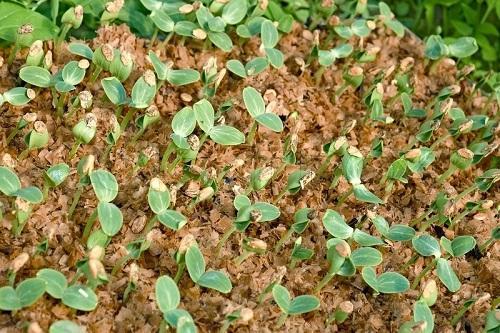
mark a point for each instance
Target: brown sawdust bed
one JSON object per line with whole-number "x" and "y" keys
{"x": 322, "y": 121}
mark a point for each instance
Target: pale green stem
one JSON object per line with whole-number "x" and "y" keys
{"x": 283, "y": 240}
{"x": 419, "y": 277}
{"x": 224, "y": 239}
{"x": 89, "y": 224}
{"x": 76, "y": 198}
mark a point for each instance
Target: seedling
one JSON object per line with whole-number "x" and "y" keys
{"x": 482, "y": 183}
{"x": 326, "y": 58}
{"x": 63, "y": 326}
{"x": 387, "y": 17}
{"x": 25, "y": 120}
{"x": 72, "y": 18}
{"x": 159, "y": 202}
{"x": 101, "y": 58}
{"x": 26, "y": 197}
{"x": 36, "y": 138}
{"x": 258, "y": 212}
{"x": 84, "y": 167}
{"x": 259, "y": 179}
{"x": 426, "y": 246}
{"x": 260, "y": 113}
{"x": 168, "y": 299}
{"x": 18, "y": 96}
{"x": 116, "y": 93}
{"x": 289, "y": 151}
{"x": 352, "y": 168}
{"x": 25, "y": 294}
{"x": 111, "y": 11}
{"x": 289, "y": 307}
{"x": 352, "y": 78}
{"x": 195, "y": 263}
{"x": 133, "y": 280}
{"x": 54, "y": 176}
{"x": 495, "y": 235}
{"x": 299, "y": 253}
{"x": 301, "y": 220}
{"x": 297, "y": 181}
{"x": 150, "y": 117}
{"x": 251, "y": 246}
{"x": 394, "y": 232}
{"x": 360, "y": 28}
{"x": 143, "y": 159}
{"x": 92, "y": 268}
{"x": 436, "y": 49}
{"x": 84, "y": 131}
{"x": 109, "y": 215}
{"x": 374, "y": 102}
{"x": 143, "y": 93}
{"x": 244, "y": 315}
{"x": 112, "y": 137}
{"x": 385, "y": 283}
{"x": 35, "y": 54}
{"x": 342, "y": 260}
{"x": 335, "y": 148}
{"x": 211, "y": 78}
{"x": 423, "y": 320}
{"x": 459, "y": 160}
{"x": 134, "y": 250}
{"x": 176, "y": 77}
{"x": 341, "y": 313}
{"x": 472, "y": 207}
{"x": 83, "y": 100}
{"x": 24, "y": 36}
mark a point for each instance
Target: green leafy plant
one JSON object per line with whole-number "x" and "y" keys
{"x": 84, "y": 131}
{"x": 289, "y": 307}
{"x": 299, "y": 253}
{"x": 25, "y": 294}
{"x": 257, "y": 109}
{"x": 194, "y": 261}
{"x": 168, "y": 299}
{"x": 54, "y": 176}
{"x": 297, "y": 181}
{"x": 84, "y": 167}
{"x": 248, "y": 213}
{"x": 426, "y": 245}
{"x": 38, "y": 137}
{"x": 423, "y": 319}
{"x": 110, "y": 217}
{"x": 25, "y": 197}
{"x": 301, "y": 220}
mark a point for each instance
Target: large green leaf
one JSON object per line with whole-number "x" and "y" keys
{"x": 12, "y": 16}
{"x": 167, "y": 294}
{"x": 215, "y": 280}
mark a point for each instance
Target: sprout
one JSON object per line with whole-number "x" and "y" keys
{"x": 72, "y": 18}
{"x": 24, "y": 37}
{"x": 341, "y": 313}
{"x": 270, "y": 37}
{"x": 301, "y": 220}
{"x": 101, "y": 59}
{"x": 168, "y": 299}
{"x": 352, "y": 168}
{"x": 37, "y": 138}
{"x": 151, "y": 116}
{"x": 437, "y": 49}
{"x": 343, "y": 261}
{"x": 176, "y": 77}
{"x": 62, "y": 326}
{"x": 122, "y": 65}
{"x": 326, "y": 58}
{"x": 143, "y": 93}
{"x": 24, "y": 295}
{"x": 54, "y": 176}
{"x": 295, "y": 306}
{"x": 423, "y": 320}
{"x": 82, "y": 100}
{"x": 359, "y": 27}
{"x": 195, "y": 263}
{"x": 459, "y": 160}
{"x": 259, "y": 179}
{"x": 251, "y": 246}
{"x": 244, "y": 315}
{"x": 116, "y": 93}
{"x": 35, "y": 54}
{"x": 84, "y": 131}
{"x": 387, "y": 17}
{"x": 495, "y": 235}
{"x": 211, "y": 78}
{"x": 374, "y": 103}
{"x": 24, "y": 121}
{"x": 144, "y": 157}
{"x": 352, "y": 78}
{"x": 258, "y": 111}
{"x": 132, "y": 281}
{"x": 134, "y": 250}
{"x": 15, "y": 266}
{"x": 84, "y": 168}
{"x": 299, "y": 253}
{"x": 297, "y": 181}
{"x": 109, "y": 215}
{"x": 159, "y": 202}
{"x": 258, "y": 212}
{"x": 335, "y": 148}
{"x": 111, "y": 11}
{"x": 426, "y": 245}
